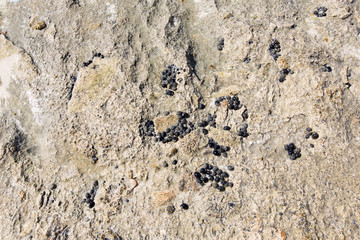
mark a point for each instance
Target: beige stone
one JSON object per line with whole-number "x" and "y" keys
{"x": 161, "y": 198}
{"x": 162, "y": 123}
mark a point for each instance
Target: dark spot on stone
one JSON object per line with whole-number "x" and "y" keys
{"x": 197, "y": 175}
{"x": 320, "y": 12}
{"x": 326, "y": 68}
{"x": 220, "y": 44}
{"x": 170, "y": 209}
{"x": 315, "y": 135}
{"x": 184, "y": 206}
{"x": 245, "y": 115}
{"x": 170, "y": 93}
{"x": 204, "y": 131}
{"x": 293, "y": 151}
{"x": 275, "y": 49}
{"x": 201, "y": 106}
{"x": 53, "y": 186}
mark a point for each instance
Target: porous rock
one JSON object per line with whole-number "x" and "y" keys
{"x": 58, "y": 115}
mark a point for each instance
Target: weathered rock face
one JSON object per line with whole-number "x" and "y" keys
{"x": 87, "y": 121}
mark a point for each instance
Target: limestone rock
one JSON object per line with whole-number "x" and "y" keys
{"x": 80, "y": 79}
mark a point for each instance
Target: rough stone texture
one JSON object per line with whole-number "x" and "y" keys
{"x": 68, "y": 124}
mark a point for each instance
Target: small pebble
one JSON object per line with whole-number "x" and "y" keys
{"x": 132, "y": 183}
{"x": 224, "y": 175}
{"x": 230, "y": 168}
{"x": 308, "y": 129}
{"x": 297, "y": 150}
{"x": 170, "y": 93}
{"x": 95, "y": 183}
{"x": 223, "y": 182}
{"x": 216, "y": 153}
{"x": 205, "y": 166}
{"x": 275, "y": 49}
{"x": 320, "y": 12}
{"x": 315, "y": 135}
{"x": 245, "y": 115}
{"x": 293, "y": 151}
{"x": 220, "y": 44}
{"x": 205, "y": 131}
{"x": 203, "y": 124}
{"x": 283, "y": 74}
{"x": 175, "y": 162}
{"x": 91, "y": 204}
{"x": 201, "y": 106}
{"x": 184, "y": 206}
{"x": 40, "y": 25}
{"x": 170, "y": 209}
{"x": 165, "y": 164}
{"x": 326, "y": 68}
{"x": 312, "y": 145}
{"x": 227, "y": 128}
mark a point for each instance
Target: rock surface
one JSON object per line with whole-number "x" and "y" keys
{"x": 79, "y": 78}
